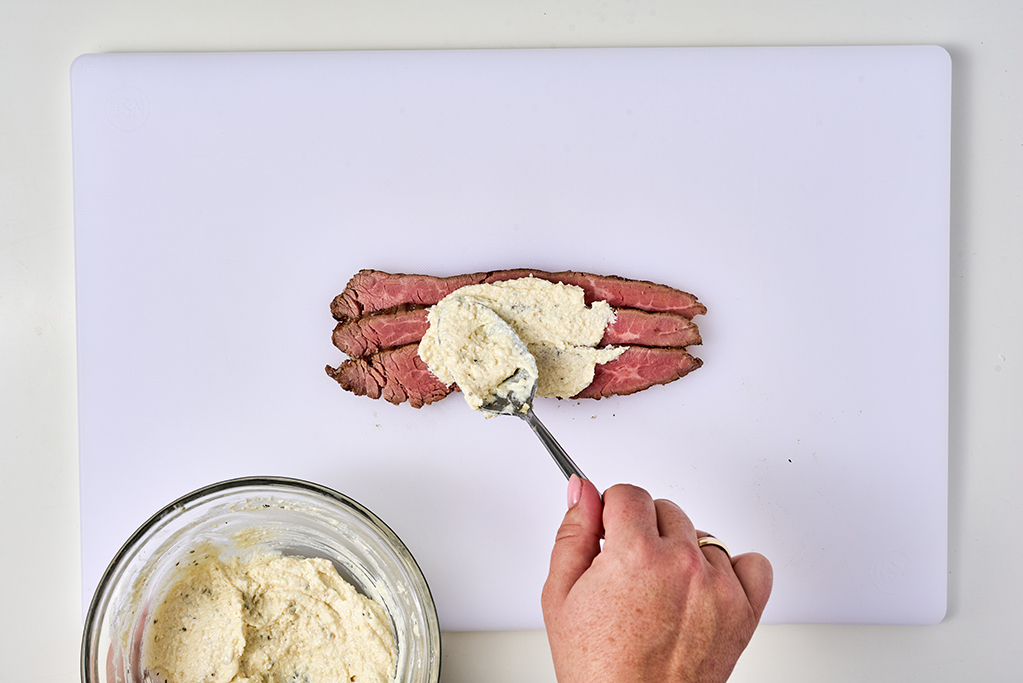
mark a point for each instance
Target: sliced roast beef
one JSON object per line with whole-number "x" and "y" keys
{"x": 642, "y": 328}
{"x": 399, "y": 375}
{"x": 618, "y": 291}
{"x": 637, "y": 369}
{"x": 371, "y": 290}
{"x": 396, "y": 375}
{"x": 407, "y": 324}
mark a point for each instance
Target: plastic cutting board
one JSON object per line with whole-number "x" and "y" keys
{"x": 222, "y": 200}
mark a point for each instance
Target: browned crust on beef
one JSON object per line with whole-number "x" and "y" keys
{"x": 406, "y": 324}
{"x": 371, "y": 290}
{"x": 639, "y": 368}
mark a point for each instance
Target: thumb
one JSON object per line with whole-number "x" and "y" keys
{"x": 577, "y": 542}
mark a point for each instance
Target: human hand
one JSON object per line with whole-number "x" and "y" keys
{"x": 651, "y": 605}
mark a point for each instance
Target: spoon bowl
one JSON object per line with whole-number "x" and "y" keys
{"x": 514, "y": 395}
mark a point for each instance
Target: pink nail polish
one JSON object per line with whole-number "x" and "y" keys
{"x": 575, "y": 491}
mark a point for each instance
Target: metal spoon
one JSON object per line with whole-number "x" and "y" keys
{"x": 510, "y": 399}
{"x": 524, "y": 409}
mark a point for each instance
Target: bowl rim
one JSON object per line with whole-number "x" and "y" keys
{"x": 100, "y": 596}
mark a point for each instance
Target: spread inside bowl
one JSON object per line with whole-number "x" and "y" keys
{"x": 265, "y": 616}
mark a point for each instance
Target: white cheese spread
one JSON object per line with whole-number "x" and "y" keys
{"x": 488, "y": 352}
{"x": 559, "y": 330}
{"x": 266, "y": 618}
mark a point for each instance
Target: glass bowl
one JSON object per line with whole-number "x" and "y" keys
{"x": 288, "y": 516}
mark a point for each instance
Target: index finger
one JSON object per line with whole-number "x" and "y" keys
{"x": 629, "y": 511}
{"x": 756, "y": 575}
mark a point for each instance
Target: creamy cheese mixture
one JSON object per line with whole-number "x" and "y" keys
{"x": 488, "y": 352}
{"x": 559, "y": 330}
{"x": 266, "y": 618}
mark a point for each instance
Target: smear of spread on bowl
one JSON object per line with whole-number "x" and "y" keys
{"x": 266, "y": 617}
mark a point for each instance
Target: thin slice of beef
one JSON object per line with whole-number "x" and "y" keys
{"x": 396, "y": 375}
{"x": 642, "y": 328}
{"x": 399, "y": 375}
{"x": 637, "y": 369}
{"x": 406, "y": 324}
{"x": 617, "y": 291}
{"x": 372, "y": 290}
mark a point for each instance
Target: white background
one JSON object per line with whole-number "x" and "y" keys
{"x": 40, "y": 609}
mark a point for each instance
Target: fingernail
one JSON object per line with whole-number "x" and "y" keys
{"x": 575, "y": 491}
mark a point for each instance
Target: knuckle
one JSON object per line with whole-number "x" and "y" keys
{"x": 626, "y": 492}
{"x": 569, "y": 529}
{"x": 730, "y": 595}
{"x": 689, "y": 557}
{"x": 640, "y": 549}
{"x": 643, "y": 551}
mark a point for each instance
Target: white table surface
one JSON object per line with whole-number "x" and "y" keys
{"x": 40, "y": 613}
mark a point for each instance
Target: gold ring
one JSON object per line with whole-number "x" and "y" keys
{"x": 710, "y": 540}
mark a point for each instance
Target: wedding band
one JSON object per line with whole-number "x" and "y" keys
{"x": 710, "y": 540}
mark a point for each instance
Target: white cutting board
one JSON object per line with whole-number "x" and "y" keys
{"x": 221, "y": 201}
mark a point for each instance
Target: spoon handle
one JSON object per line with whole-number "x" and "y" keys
{"x": 557, "y": 452}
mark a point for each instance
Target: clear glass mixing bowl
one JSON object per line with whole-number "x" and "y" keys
{"x": 289, "y": 516}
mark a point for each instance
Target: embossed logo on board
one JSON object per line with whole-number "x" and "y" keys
{"x": 891, "y": 571}
{"x": 127, "y": 108}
